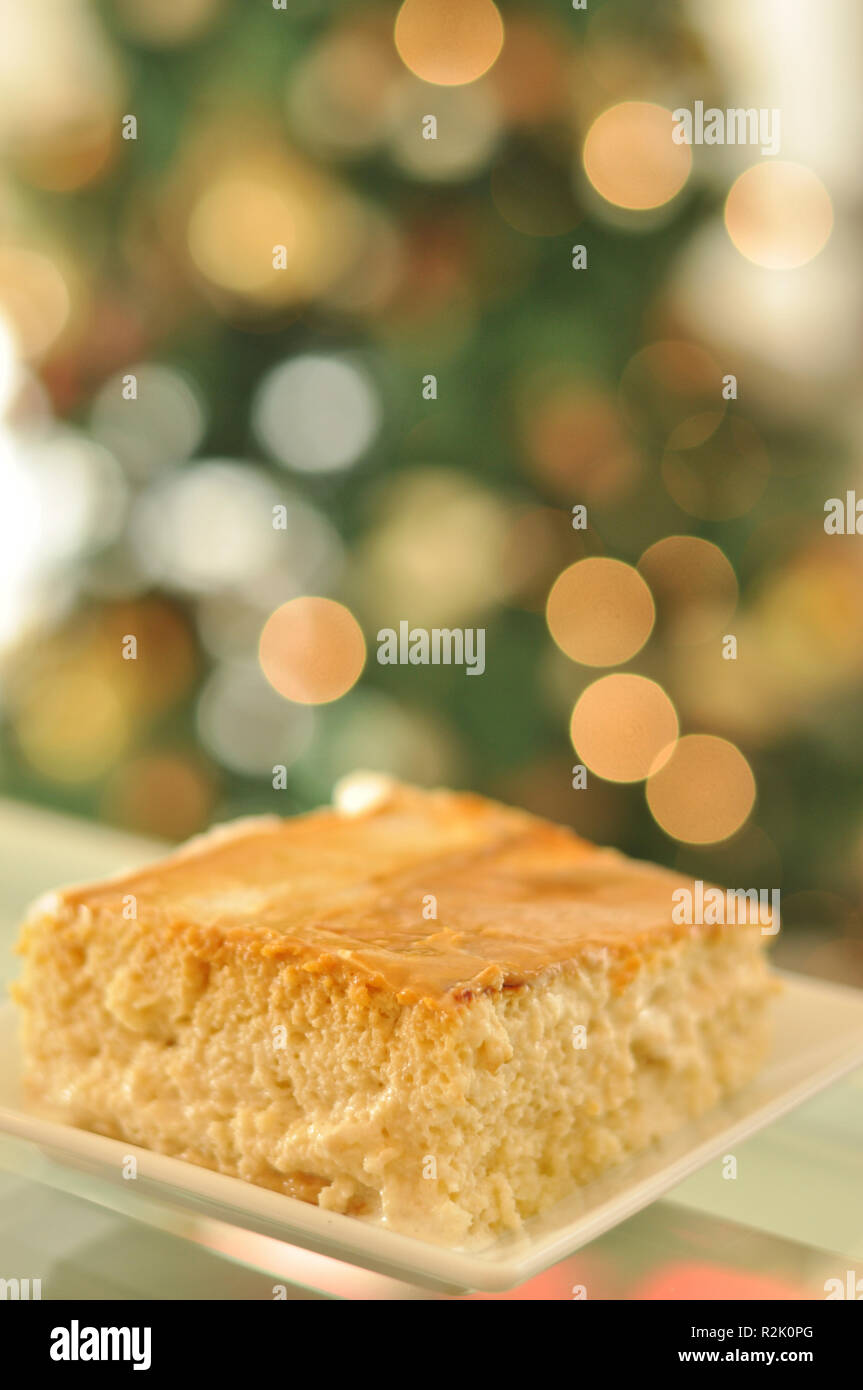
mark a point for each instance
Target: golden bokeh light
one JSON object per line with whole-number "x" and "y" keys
{"x": 75, "y": 703}
{"x": 437, "y": 550}
{"x": 233, "y": 229}
{"x": 800, "y": 646}
{"x": 693, "y": 585}
{"x": 809, "y": 614}
{"x": 623, "y": 727}
{"x": 312, "y": 650}
{"x": 77, "y": 153}
{"x": 34, "y": 298}
{"x": 631, "y": 159}
{"x": 704, "y": 792}
{"x": 167, "y": 660}
{"x": 779, "y": 215}
{"x": 600, "y": 611}
{"x": 448, "y": 42}
{"x": 271, "y": 231}
{"x": 72, "y": 731}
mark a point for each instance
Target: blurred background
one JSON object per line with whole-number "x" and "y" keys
{"x": 279, "y": 348}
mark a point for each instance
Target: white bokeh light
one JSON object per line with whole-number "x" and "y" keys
{"x": 60, "y": 496}
{"x": 469, "y": 116}
{"x": 310, "y": 555}
{"x": 382, "y": 734}
{"x": 8, "y": 365}
{"x": 20, "y": 519}
{"x": 208, "y": 527}
{"x": 309, "y": 560}
{"x": 162, "y": 426}
{"x": 246, "y": 725}
{"x": 82, "y": 490}
{"x": 316, "y": 414}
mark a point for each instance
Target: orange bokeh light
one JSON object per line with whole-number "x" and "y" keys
{"x": 704, "y": 792}
{"x": 312, "y": 650}
{"x": 631, "y": 159}
{"x": 448, "y": 42}
{"x": 623, "y": 727}
{"x": 779, "y": 215}
{"x": 34, "y": 297}
{"x": 600, "y": 611}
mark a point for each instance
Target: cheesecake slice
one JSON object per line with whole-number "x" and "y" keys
{"x": 421, "y": 1007}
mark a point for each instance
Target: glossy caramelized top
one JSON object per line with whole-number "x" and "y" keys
{"x": 431, "y": 894}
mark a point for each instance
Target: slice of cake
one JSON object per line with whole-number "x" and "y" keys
{"x": 432, "y": 1009}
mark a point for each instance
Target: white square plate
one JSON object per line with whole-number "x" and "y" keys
{"x": 818, "y": 1038}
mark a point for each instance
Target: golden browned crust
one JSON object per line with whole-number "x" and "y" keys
{"x": 431, "y": 895}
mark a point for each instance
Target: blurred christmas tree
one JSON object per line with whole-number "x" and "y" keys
{"x": 280, "y": 285}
